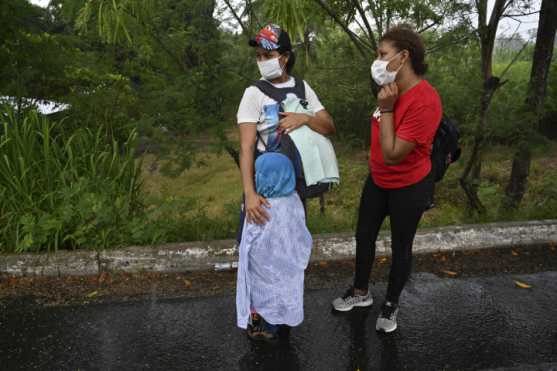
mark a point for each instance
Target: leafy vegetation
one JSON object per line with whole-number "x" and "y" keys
{"x": 152, "y": 90}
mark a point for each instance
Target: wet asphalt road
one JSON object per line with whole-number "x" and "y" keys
{"x": 445, "y": 324}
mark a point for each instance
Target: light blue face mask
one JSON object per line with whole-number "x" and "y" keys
{"x": 274, "y": 175}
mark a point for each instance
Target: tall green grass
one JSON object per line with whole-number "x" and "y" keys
{"x": 66, "y": 191}
{"x": 84, "y": 189}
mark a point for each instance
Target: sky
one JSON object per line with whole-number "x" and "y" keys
{"x": 42, "y": 3}
{"x": 506, "y": 28}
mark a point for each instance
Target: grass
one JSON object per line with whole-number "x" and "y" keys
{"x": 208, "y": 194}
{"x": 65, "y": 192}
{"x": 213, "y": 181}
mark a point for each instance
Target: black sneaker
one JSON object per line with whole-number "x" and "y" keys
{"x": 349, "y": 301}
{"x": 386, "y": 322}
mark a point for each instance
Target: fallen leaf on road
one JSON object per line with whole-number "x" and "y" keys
{"x": 450, "y": 273}
{"x": 383, "y": 259}
{"x": 92, "y": 294}
{"x": 514, "y": 253}
{"x": 187, "y": 283}
{"x": 522, "y": 285}
{"x": 103, "y": 276}
{"x": 440, "y": 257}
{"x": 323, "y": 264}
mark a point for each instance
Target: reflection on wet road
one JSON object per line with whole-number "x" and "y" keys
{"x": 451, "y": 324}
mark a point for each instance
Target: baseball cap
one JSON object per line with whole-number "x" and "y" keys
{"x": 272, "y": 37}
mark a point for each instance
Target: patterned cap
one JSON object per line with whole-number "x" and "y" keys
{"x": 271, "y": 37}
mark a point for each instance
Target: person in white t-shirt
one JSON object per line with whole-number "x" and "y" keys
{"x": 258, "y": 113}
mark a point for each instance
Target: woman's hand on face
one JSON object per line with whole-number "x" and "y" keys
{"x": 291, "y": 121}
{"x": 387, "y": 97}
{"x": 254, "y": 209}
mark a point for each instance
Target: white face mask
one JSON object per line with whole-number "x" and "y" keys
{"x": 270, "y": 69}
{"x": 380, "y": 73}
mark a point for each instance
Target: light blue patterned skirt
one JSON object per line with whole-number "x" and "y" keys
{"x": 271, "y": 266}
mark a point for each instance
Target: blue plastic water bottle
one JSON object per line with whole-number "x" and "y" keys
{"x": 272, "y": 121}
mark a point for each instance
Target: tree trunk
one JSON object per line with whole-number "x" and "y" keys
{"x": 469, "y": 181}
{"x": 519, "y": 176}
{"x": 487, "y": 30}
{"x": 543, "y": 52}
{"x": 471, "y": 175}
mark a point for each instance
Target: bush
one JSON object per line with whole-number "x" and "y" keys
{"x": 60, "y": 191}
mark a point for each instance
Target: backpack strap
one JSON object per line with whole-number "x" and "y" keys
{"x": 260, "y": 139}
{"x": 279, "y": 94}
{"x": 300, "y": 88}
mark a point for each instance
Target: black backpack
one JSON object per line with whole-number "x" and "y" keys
{"x": 446, "y": 149}
{"x": 287, "y": 146}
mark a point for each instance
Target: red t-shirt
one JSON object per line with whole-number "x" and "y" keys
{"x": 417, "y": 114}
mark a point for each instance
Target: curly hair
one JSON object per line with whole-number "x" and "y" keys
{"x": 403, "y": 37}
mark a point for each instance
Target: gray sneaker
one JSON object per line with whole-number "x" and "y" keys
{"x": 386, "y": 322}
{"x": 349, "y": 301}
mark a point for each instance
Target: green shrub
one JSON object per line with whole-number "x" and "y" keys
{"x": 66, "y": 191}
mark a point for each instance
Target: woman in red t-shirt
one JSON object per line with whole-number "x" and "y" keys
{"x": 400, "y": 184}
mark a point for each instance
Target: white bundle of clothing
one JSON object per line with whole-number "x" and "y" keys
{"x": 271, "y": 265}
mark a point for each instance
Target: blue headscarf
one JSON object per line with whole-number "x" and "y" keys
{"x": 274, "y": 175}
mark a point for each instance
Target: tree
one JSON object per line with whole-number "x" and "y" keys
{"x": 534, "y": 103}
{"x": 362, "y": 21}
{"x": 32, "y": 57}
{"x": 486, "y": 31}
{"x": 171, "y": 52}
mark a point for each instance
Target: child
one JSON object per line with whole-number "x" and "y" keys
{"x": 273, "y": 256}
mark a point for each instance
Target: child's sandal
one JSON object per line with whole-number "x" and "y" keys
{"x": 253, "y": 323}
{"x": 263, "y": 331}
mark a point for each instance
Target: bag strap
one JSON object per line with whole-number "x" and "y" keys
{"x": 259, "y": 138}
{"x": 279, "y": 94}
{"x": 300, "y": 88}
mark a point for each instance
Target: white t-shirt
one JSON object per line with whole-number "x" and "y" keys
{"x": 252, "y": 108}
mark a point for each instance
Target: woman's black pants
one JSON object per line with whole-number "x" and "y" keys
{"x": 405, "y": 207}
